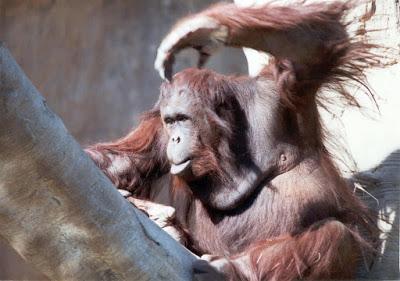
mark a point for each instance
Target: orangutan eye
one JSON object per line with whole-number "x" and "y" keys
{"x": 181, "y": 117}
{"x": 168, "y": 120}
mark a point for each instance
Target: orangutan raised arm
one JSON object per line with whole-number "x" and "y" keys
{"x": 303, "y": 34}
{"x": 308, "y": 41}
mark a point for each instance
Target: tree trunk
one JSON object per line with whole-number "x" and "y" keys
{"x": 59, "y": 211}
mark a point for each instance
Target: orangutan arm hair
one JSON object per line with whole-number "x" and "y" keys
{"x": 309, "y": 43}
{"x": 135, "y": 159}
{"x": 327, "y": 250}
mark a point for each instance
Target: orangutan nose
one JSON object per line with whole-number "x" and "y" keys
{"x": 176, "y": 139}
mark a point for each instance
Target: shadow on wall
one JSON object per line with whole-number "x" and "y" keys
{"x": 383, "y": 183}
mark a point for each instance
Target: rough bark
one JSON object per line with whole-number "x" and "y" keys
{"x": 58, "y": 211}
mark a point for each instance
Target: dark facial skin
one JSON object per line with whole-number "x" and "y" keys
{"x": 178, "y": 113}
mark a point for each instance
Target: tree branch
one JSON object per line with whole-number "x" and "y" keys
{"x": 58, "y": 211}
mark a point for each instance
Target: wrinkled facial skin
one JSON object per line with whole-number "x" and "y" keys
{"x": 179, "y": 109}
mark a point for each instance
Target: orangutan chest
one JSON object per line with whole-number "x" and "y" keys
{"x": 231, "y": 233}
